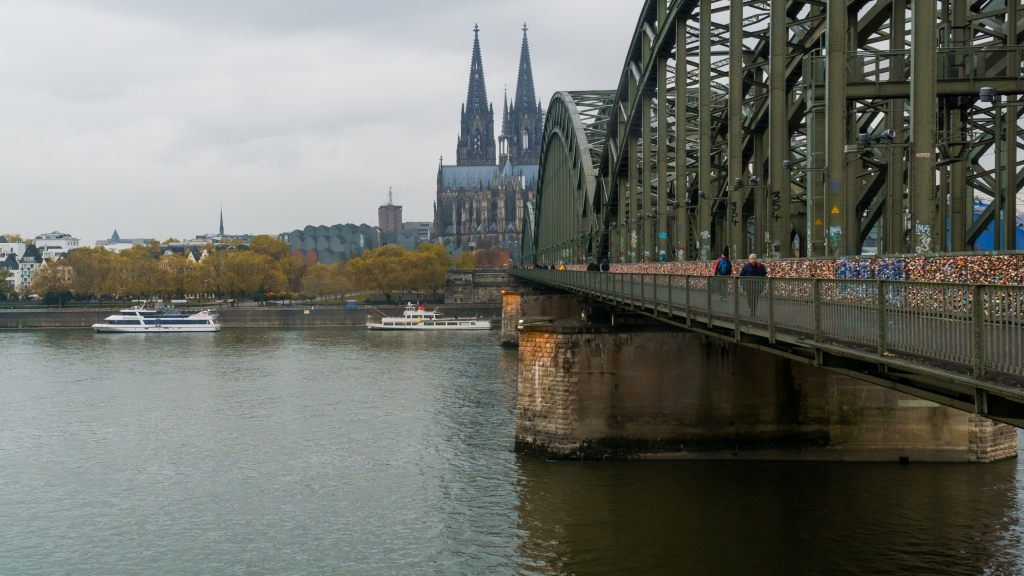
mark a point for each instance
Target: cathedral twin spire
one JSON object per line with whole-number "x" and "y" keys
{"x": 525, "y": 118}
{"x": 476, "y": 98}
{"x": 521, "y": 123}
{"x": 476, "y": 140}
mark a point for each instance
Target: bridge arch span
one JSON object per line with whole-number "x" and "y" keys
{"x": 566, "y": 222}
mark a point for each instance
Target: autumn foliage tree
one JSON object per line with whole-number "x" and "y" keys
{"x": 53, "y": 280}
{"x": 267, "y": 266}
{"x": 323, "y": 281}
{"x": 247, "y": 272}
{"x": 6, "y": 286}
{"x": 381, "y": 270}
{"x": 465, "y": 261}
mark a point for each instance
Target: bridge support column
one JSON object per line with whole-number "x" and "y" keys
{"x": 529, "y": 306}
{"x": 641, "y": 391}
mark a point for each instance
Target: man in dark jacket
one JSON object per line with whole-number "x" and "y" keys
{"x": 723, "y": 268}
{"x": 754, "y": 286}
{"x": 604, "y": 265}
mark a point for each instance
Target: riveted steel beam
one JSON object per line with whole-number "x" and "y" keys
{"x": 863, "y": 127}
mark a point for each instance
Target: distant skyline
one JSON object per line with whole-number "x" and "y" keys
{"x": 147, "y": 116}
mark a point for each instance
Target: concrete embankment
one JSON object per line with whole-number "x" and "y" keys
{"x": 241, "y": 317}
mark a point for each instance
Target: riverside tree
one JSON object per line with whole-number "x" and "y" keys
{"x": 323, "y": 281}
{"x": 246, "y": 273}
{"x": 6, "y": 287}
{"x": 90, "y": 267}
{"x": 381, "y": 270}
{"x": 428, "y": 268}
{"x": 53, "y": 281}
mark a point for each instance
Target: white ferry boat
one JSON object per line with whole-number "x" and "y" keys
{"x": 418, "y": 318}
{"x": 139, "y": 319}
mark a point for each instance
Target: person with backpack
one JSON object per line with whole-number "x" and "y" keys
{"x": 723, "y": 268}
{"x": 754, "y": 286}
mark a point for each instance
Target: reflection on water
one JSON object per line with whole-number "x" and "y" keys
{"x": 770, "y": 518}
{"x": 341, "y": 451}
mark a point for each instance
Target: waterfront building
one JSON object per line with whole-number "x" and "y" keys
{"x": 53, "y": 245}
{"x": 421, "y": 230}
{"x": 331, "y": 244}
{"x": 407, "y": 239}
{"x": 480, "y": 200}
{"x": 8, "y": 248}
{"x": 116, "y": 244}
{"x": 389, "y": 216}
{"x": 192, "y": 251}
{"x": 9, "y": 264}
{"x": 196, "y": 256}
{"x": 22, "y": 267}
{"x": 12, "y": 255}
{"x": 342, "y": 242}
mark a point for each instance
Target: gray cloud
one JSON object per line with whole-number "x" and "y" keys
{"x": 145, "y": 116}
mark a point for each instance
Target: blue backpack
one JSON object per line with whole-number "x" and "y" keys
{"x": 723, "y": 267}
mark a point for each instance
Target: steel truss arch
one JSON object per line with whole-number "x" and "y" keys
{"x": 565, "y": 223}
{"x": 799, "y": 128}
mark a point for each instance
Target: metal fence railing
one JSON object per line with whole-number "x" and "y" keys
{"x": 978, "y": 326}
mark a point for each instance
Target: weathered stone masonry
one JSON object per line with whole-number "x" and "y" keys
{"x": 522, "y": 304}
{"x": 608, "y": 392}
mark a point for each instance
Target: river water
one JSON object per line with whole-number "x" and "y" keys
{"x": 339, "y": 451}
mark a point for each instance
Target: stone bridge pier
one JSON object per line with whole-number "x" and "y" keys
{"x": 612, "y": 386}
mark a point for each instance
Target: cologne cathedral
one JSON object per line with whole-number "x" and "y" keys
{"x": 481, "y": 199}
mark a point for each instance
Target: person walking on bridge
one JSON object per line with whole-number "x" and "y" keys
{"x": 723, "y": 268}
{"x": 754, "y": 286}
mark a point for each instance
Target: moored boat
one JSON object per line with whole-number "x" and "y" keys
{"x": 418, "y": 318}
{"x": 141, "y": 320}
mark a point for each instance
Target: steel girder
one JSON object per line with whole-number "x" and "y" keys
{"x": 802, "y": 128}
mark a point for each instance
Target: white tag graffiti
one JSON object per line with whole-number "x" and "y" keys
{"x": 923, "y": 234}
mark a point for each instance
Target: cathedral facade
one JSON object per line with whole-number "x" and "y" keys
{"x": 481, "y": 199}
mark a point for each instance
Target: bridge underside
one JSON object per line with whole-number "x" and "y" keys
{"x": 791, "y": 128}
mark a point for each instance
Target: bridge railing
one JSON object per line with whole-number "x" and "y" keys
{"x": 978, "y": 328}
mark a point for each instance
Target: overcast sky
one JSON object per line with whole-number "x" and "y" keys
{"x": 146, "y": 116}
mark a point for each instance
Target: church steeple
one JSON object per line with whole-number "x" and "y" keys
{"x": 222, "y": 221}
{"x": 503, "y": 140}
{"x": 476, "y": 141}
{"x": 525, "y": 113}
{"x": 525, "y": 95}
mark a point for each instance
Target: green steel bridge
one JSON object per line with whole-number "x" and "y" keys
{"x": 796, "y": 128}
{"x": 802, "y": 129}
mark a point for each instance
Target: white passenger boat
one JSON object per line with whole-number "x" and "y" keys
{"x": 417, "y": 318}
{"x": 139, "y": 319}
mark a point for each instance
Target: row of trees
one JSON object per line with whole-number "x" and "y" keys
{"x": 264, "y": 269}
{"x": 388, "y": 270}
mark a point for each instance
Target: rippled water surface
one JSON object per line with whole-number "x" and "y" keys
{"x": 338, "y": 451}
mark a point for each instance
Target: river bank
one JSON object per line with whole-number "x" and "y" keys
{"x": 240, "y": 317}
